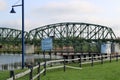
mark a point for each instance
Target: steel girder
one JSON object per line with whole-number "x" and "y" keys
{"x": 8, "y": 35}
{"x": 76, "y": 30}
{"x": 60, "y": 30}
{"x": 82, "y": 37}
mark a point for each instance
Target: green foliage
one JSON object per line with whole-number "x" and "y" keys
{"x": 79, "y": 44}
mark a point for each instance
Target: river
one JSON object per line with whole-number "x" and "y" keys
{"x": 13, "y": 61}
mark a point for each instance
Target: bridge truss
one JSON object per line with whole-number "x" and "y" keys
{"x": 79, "y": 37}
{"x": 74, "y": 36}
{"x": 10, "y": 39}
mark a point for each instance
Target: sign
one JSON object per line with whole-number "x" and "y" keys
{"x": 46, "y": 44}
{"x": 106, "y": 48}
{"x": 103, "y": 48}
{"x": 117, "y": 48}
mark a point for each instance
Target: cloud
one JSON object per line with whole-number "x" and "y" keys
{"x": 56, "y": 11}
{"x": 3, "y": 5}
{"x": 72, "y": 7}
{"x": 63, "y": 11}
{"x": 117, "y": 11}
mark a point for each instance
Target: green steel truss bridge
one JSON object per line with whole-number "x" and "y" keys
{"x": 8, "y": 35}
{"x": 69, "y": 36}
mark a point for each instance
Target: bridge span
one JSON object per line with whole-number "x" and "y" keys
{"x": 67, "y": 37}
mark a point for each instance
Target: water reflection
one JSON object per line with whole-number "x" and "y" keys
{"x": 13, "y": 61}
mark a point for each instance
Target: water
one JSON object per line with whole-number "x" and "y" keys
{"x": 13, "y": 61}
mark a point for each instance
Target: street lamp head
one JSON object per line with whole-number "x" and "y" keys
{"x": 12, "y": 10}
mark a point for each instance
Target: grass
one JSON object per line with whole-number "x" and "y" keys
{"x": 6, "y": 74}
{"x": 107, "y": 71}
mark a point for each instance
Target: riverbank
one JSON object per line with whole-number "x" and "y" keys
{"x": 106, "y": 71}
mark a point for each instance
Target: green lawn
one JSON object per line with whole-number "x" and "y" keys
{"x": 6, "y": 74}
{"x": 106, "y": 71}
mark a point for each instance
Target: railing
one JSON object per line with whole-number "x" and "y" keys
{"x": 42, "y": 67}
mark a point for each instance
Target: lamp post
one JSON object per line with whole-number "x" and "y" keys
{"x": 23, "y": 45}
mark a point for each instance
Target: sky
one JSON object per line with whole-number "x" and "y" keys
{"x": 43, "y": 12}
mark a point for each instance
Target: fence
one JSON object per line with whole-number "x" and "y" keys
{"x": 43, "y": 67}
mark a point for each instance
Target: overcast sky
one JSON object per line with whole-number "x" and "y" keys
{"x": 43, "y": 12}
